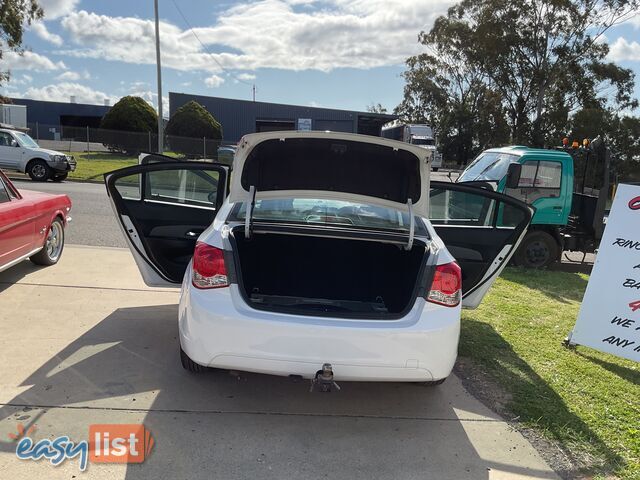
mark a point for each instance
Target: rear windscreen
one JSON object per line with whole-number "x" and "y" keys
{"x": 333, "y": 165}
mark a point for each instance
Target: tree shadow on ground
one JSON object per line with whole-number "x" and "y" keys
{"x": 560, "y": 286}
{"x": 495, "y": 373}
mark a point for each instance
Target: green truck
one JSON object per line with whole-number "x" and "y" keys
{"x": 568, "y": 186}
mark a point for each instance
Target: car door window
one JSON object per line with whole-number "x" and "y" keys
{"x": 539, "y": 179}
{"x": 184, "y": 187}
{"x": 447, "y": 207}
{"x": 6, "y": 140}
{"x": 4, "y": 193}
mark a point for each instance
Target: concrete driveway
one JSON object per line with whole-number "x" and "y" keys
{"x": 86, "y": 342}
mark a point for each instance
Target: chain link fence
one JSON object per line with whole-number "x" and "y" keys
{"x": 94, "y": 140}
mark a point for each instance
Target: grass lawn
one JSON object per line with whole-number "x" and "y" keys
{"x": 91, "y": 166}
{"x": 587, "y": 401}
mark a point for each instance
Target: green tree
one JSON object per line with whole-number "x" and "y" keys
{"x": 376, "y": 108}
{"x": 545, "y": 59}
{"x": 14, "y": 15}
{"x": 128, "y": 126}
{"x": 443, "y": 90}
{"x": 192, "y": 130}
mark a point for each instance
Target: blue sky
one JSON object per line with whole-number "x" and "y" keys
{"x": 334, "y": 53}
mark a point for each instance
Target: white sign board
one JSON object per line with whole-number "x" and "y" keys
{"x": 609, "y": 318}
{"x": 304, "y": 124}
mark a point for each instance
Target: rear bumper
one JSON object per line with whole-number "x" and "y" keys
{"x": 218, "y": 329}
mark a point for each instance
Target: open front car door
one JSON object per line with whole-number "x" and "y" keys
{"x": 162, "y": 209}
{"x": 481, "y": 229}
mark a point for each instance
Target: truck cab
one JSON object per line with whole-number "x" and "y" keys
{"x": 546, "y": 179}
{"x": 567, "y": 186}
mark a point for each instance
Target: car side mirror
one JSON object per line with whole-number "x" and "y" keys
{"x": 14, "y": 143}
{"x": 513, "y": 175}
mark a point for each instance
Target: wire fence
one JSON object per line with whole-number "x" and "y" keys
{"x": 92, "y": 140}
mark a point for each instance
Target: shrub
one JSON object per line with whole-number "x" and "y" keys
{"x": 191, "y": 126}
{"x": 134, "y": 116}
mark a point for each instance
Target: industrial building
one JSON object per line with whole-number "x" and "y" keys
{"x": 240, "y": 117}
{"x": 46, "y": 120}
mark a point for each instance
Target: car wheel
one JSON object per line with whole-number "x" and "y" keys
{"x": 537, "y": 250}
{"x": 39, "y": 171}
{"x": 435, "y": 169}
{"x": 61, "y": 177}
{"x": 53, "y": 245}
{"x": 189, "y": 364}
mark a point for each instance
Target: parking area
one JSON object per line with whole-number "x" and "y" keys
{"x": 91, "y": 344}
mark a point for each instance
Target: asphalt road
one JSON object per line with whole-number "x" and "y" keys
{"x": 93, "y": 220}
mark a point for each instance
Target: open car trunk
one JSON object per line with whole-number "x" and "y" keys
{"x": 309, "y": 275}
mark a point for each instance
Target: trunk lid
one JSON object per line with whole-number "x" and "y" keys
{"x": 333, "y": 166}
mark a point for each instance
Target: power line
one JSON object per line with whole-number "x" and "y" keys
{"x": 228, "y": 72}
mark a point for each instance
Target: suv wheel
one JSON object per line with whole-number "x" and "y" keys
{"x": 39, "y": 171}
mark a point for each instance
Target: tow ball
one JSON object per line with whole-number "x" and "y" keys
{"x": 323, "y": 381}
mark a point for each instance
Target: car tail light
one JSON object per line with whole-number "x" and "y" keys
{"x": 446, "y": 288}
{"x": 209, "y": 270}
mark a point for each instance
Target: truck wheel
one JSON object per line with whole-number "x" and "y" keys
{"x": 60, "y": 177}
{"x": 537, "y": 250}
{"x": 53, "y": 245}
{"x": 39, "y": 171}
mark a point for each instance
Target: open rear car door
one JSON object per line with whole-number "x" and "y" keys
{"x": 162, "y": 208}
{"x": 481, "y": 229}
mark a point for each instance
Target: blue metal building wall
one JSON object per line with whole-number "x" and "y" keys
{"x": 48, "y": 113}
{"x": 238, "y": 117}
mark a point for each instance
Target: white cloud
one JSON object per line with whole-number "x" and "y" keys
{"x": 247, "y": 77}
{"x": 622, "y": 50}
{"x": 28, "y": 60}
{"x": 57, "y": 8}
{"x": 70, "y": 75}
{"x": 41, "y": 31}
{"x": 213, "y": 81}
{"x": 267, "y": 34}
{"x": 62, "y": 92}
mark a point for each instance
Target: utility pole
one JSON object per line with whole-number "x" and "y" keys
{"x": 159, "y": 68}
{"x": 254, "y": 92}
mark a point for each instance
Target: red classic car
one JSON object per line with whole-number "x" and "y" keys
{"x": 31, "y": 225}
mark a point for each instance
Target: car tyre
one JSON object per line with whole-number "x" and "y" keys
{"x": 538, "y": 249}
{"x": 189, "y": 365}
{"x": 60, "y": 177}
{"x": 39, "y": 171}
{"x": 53, "y": 245}
{"x": 433, "y": 383}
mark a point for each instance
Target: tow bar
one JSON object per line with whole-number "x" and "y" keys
{"x": 323, "y": 381}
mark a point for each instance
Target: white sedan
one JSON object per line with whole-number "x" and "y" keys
{"x": 326, "y": 256}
